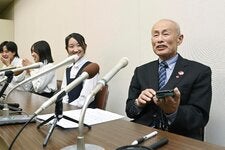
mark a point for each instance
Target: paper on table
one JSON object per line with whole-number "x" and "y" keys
{"x": 92, "y": 117}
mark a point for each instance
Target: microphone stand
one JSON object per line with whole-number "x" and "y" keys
{"x": 9, "y": 79}
{"x": 13, "y": 107}
{"x": 80, "y": 138}
{"x": 56, "y": 117}
{"x": 101, "y": 83}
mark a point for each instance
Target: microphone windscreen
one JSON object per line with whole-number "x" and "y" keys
{"x": 92, "y": 69}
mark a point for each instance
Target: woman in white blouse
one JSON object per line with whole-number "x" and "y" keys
{"x": 44, "y": 85}
{"x": 10, "y": 58}
{"x": 75, "y": 44}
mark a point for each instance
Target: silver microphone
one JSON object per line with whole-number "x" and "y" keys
{"x": 121, "y": 64}
{"x": 8, "y": 75}
{"x": 88, "y": 72}
{"x": 32, "y": 66}
{"x": 101, "y": 83}
{"x": 4, "y": 78}
{"x": 71, "y": 59}
{"x": 7, "y": 68}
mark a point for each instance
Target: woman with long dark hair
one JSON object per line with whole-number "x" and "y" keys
{"x": 44, "y": 85}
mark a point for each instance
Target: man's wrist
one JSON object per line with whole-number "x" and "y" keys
{"x": 137, "y": 103}
{"x": 138, "y": 107}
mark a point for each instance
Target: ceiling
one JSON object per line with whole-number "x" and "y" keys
{"x": 4, "y": 4}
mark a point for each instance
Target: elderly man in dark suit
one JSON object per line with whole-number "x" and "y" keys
{"x": 186, "y": 112}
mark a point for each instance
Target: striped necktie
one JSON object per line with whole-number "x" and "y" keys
{"x": 162, "y": 74}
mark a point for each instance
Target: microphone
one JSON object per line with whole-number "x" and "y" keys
{"x": 88, "y": 72}
{"x": 80, "y": 138}
{"x": 105, "y": 79}
{"x": 71, "y": 59}
{"x": 3, "y": 79}
{"x": 10, "y": 72}
{"x": 7, "y": 68}
{"x": 121, "y": 64}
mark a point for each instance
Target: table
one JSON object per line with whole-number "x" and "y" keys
{"x": 108, "y": 135}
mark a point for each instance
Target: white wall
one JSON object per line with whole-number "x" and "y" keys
{"x": 117, "y": 28}
{"x": 6, "y": 31}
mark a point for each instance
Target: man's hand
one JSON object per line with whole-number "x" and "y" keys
{"x": 145, "y": 97}
{"x": 169, "y": 104}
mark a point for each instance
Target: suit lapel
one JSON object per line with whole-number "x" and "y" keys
{"x": 177, "y": 74}
{"x": 153, "y": 82}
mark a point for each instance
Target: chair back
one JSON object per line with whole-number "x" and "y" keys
{"x": 102, "y": 97}
{"x": 59, "y": 83}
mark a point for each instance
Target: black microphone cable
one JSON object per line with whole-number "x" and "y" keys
{"x": 17, "y": 135}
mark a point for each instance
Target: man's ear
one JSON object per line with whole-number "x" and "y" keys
{"x": 180, "y": 39}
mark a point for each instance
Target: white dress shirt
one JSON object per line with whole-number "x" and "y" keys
{"x": 17, "y": 62}
{"x": 88, "y": 84}
{"x": 45, "y": 83}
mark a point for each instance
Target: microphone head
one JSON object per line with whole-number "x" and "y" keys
{"x": 40, "y": 64}
{"x": 71, "y": 59}
{"x": 92, "y": 69}
{"x": 124, "y": 61}
{"x": 75, "y": 58}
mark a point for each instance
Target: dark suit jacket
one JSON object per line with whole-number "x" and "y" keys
{"x": 194, "y": 82}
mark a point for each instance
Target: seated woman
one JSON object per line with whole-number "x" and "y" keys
{"x": 75, "y": 44}
{"x": 10, "y": 58}
{"x": 44, "y": 85}
{"x": 1, "y": 51}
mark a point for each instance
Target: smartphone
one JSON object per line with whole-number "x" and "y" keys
{"x": 164, "y": 93}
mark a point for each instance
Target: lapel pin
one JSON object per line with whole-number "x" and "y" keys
{"x": 180, "y": 73}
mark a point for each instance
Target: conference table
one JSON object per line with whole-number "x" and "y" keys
{"x": 109, "y": 135}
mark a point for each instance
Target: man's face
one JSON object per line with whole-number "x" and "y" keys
{"x": 165, "y": 39}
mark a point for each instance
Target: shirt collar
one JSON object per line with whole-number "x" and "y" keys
{"x": 79, "y": 63}
{"x": 170, "y": 61}
{"x": 15, "y": 61}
